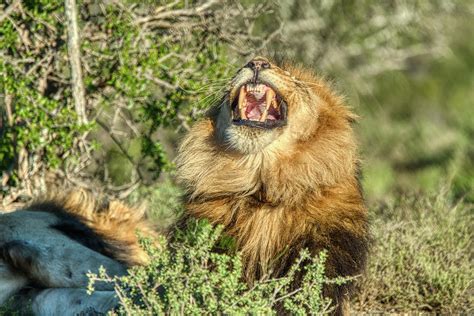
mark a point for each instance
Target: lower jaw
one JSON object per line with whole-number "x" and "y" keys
{"x": 257, "y": 124}
{"x": 246, "y": 140}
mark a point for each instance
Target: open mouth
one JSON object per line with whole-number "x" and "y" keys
{"x": 258, "y": 105}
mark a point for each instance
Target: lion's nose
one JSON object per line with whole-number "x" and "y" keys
{"x": 257, "y": 64}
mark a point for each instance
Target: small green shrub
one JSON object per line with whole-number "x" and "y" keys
{"x": 421, "y": 259}
{"x": 188, "y": 277}
{"x": 163, "y": 203}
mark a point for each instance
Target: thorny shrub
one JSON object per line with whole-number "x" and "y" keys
{"x": 188, "y": 277}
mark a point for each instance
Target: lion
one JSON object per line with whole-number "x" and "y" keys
{"x": 275, "y": 163}
{"x": 53, "y": 243}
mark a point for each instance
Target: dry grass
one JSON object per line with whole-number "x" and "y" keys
{"x": 421, "y": 260}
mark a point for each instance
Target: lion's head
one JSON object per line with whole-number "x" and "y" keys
{"x": 282, "y": 130}
{"x": 265, "y": 102}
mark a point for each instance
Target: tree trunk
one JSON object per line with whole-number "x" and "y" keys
{"x": 74, "y": 52}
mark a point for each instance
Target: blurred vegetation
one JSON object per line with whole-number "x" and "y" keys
{"x": 420, "y": 260}
{"x": 424, "y": 123}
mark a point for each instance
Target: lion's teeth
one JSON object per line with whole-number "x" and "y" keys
{"x": 242, "y": 95}
{"x": 270, "y": 95}
{"x": 255, "y": 88}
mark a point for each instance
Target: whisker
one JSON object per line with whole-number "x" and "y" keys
{"x": 312, "y": 83}
{"x": 211, "y": 97}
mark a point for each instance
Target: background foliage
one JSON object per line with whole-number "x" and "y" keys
{"x": 146, "y": 66}
{"x": 151, "y": 68}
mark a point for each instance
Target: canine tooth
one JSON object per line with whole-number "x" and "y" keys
{"x": 269, "y": 97}
{"x": 242, "y": 103}
{"x": 241, "y": 96}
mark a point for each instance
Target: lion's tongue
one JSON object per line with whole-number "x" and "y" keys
{"x": 257, "y": 98}
{"x": 255, "y": 107}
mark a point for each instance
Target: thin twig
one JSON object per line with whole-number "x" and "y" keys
{"x": 9, "y": 10}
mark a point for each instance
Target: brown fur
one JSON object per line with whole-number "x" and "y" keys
{"x": 282, "y": 190}
{"x": 109, "y": 228}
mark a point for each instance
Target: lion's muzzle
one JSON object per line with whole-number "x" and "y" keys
{"x": 259, "y": 105}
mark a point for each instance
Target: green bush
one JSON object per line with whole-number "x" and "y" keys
{"x": 35, "y": 119}
{"x": 420, "y": 260}
{"x": 146, "y": 66}
{"x": 163, "y": 203}
{"x": 189, "y": 277}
